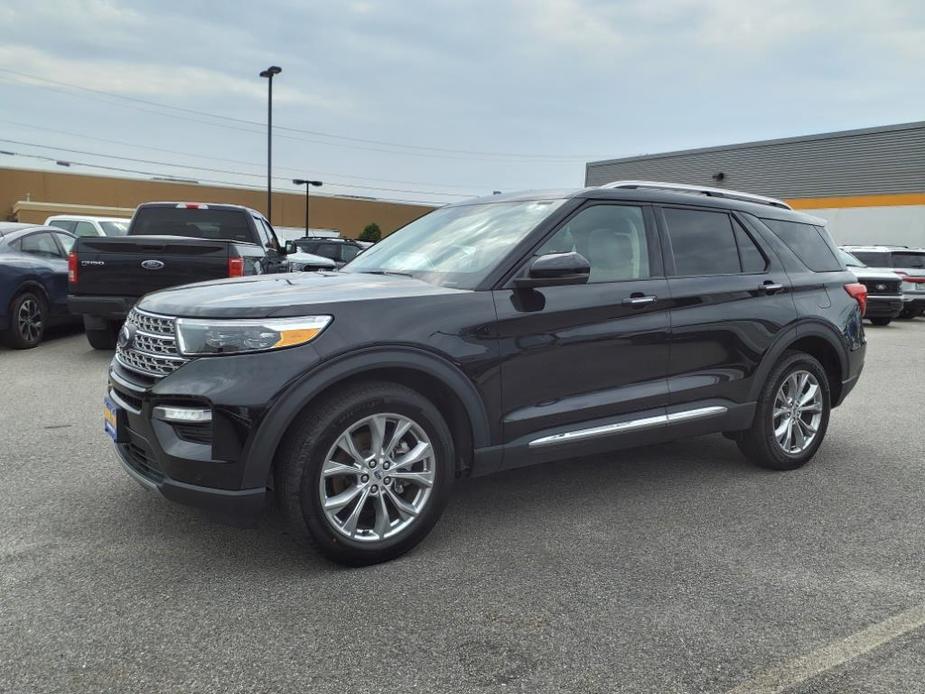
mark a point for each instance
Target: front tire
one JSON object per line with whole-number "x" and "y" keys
{"x": 102, "y": 338}
{"x": 366, "y": 473}
{"x": 28, "y": 316}
{"x": 881, "y": 321}
{"x": 792, "y": 414}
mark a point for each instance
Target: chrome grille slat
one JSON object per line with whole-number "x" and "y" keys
{"x": 153, "y": 351}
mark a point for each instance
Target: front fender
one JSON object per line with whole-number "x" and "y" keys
{"x": 259, "y": 455}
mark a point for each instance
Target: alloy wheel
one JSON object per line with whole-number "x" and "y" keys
{"x": 377, "y": 477}
{"x": 797, "y": 412}
{"x": 29, "y": 320}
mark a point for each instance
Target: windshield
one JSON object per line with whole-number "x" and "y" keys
{"x": 849, "y": 260}
{"x": 114, "y": 228}
{"x": 455, "y": 246}
{"x": 909, "y": 259}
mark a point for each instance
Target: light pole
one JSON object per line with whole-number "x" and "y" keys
{"x": 268, "y": 73}
{"x": 308, "y": 185}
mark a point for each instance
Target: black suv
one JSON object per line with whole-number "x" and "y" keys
{"x": 341, "y": 251}
{"x": 484, "y": 336}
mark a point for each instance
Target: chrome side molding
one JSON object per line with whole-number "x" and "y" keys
{"x": 631, "y": 425}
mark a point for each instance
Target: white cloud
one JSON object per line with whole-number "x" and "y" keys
{"x": 147, "y": 79}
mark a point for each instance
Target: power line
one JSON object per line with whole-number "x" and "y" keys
{"x": 168, "y": 178}
{"x": 194, "y": 155}
{"x": 419, "y": 149}
{"x": 225, "y": 171}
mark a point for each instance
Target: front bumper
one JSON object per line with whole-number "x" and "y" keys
{"x": 238, "y": 507}
{"x": 883, "y": 306}
{"x": 213, "y": 466}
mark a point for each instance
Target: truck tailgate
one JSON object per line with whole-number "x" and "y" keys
{"x": 133, "y": 266}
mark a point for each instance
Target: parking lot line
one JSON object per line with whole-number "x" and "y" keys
{"x": 792, "y": 672}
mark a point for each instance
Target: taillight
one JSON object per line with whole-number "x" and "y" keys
{"x": 858, "y": 292}
{"x": 236, "y": 267}
{"x": 72, "y": 267}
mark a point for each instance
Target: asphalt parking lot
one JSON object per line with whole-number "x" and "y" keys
{"x": 676, "y": 568}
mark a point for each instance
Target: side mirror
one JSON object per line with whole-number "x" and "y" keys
{"x": 290, "y": 247}
{"x": 554, "y": 270}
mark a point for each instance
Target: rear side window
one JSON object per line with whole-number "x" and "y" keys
{"x": 41, "y": 244}
{"x": 703, "y": 243}
{"x": 196, "y": 223}
{"x": 348, "y": 252}
{"x": 809, "y": 243}
{"x": 114, "y": 228}
{"x": 910, "y": 260}
{"x": 752, "y": 258}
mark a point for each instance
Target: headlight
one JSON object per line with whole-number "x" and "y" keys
{"x": 198, "y": 337}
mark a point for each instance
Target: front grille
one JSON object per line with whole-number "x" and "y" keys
{"x": 151, "y": 323}
{"x": 882, "y": 287}
{"x": 153, "y": 349}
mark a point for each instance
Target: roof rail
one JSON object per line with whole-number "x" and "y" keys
{"x": 700, "y": 190}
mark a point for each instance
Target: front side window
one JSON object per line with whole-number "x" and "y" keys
{"x": 114, "y": 228}
{"x": 808, "y": 242}
{"x": 455, "y": 246}
{"x": 611, "y": 237}
{"x": 702, "y": 242}
{"x": 85, "y": 229}
{"x": 41, "y": 244}
{"x": 348, "y": 252}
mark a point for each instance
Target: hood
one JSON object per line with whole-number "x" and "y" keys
{"x": 284, "y": 294}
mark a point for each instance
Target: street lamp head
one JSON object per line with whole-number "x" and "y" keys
{"x": 272, "y": 70}
{"x": 304, "y": 182}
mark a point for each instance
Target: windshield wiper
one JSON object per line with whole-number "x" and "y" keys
{"x": 387, "y": 272}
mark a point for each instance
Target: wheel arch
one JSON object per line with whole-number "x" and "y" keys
{"x": 26, "y": 285}
{"x": 436, "y": 378}
{"x": 817, "y": 339}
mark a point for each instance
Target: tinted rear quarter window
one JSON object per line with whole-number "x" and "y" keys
{"x": 910, "y": 260}
{"x": 808, "y": 242}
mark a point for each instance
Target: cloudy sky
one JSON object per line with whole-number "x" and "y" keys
{"x": 436, "y": 100}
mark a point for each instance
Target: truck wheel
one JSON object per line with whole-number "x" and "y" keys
{"x": 880, "y": 321}
{"x": 364, "y": 474}
{"x": 792, "y": 414}
{"x": 28, "y": 314}
{"x": 102, "y": 338}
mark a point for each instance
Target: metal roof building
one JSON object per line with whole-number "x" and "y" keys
{"x": 869, "y": 183}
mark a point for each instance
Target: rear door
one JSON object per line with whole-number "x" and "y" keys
{"x": 42, "y": 247}
{"x": 730, "y": 300}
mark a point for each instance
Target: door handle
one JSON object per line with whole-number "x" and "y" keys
{"x": 637, "y": 300}
{"x": 770, "y": 287}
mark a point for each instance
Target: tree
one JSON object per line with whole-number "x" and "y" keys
{"x": 371, "y": 233}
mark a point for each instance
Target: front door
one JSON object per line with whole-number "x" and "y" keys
{"x": 585, "y": 365}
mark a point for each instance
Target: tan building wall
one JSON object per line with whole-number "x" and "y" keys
{"x": 74, "y": 193}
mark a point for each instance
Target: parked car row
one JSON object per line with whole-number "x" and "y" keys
{"x": 96, "y": 268}
{"x": 895, "y": 277}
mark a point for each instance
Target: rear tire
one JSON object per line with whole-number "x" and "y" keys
{"x": 880, "y": 321}
{"x": 102, "y": 338}
{"x": 796, "y": 394}
{"x": 28, "y": 317}
{"x": 344, "y": 502}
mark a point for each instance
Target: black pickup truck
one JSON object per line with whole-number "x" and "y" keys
{"x": 168, "y": 244}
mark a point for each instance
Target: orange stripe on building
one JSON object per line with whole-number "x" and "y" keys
{"x": 895, "y": 199}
